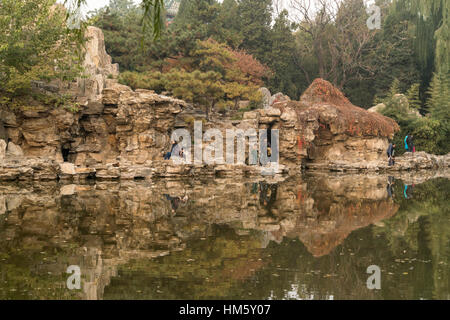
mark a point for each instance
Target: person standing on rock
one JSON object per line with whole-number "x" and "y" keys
{"x": 171, "y": 152}
{"x": 412, "y": 147}
{"x": 391, "y": 154}
{"x": 406, "y": 143}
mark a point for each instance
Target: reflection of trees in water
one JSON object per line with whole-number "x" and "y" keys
{"x": 214, "y": 241}
{"x": 420, "y": 234}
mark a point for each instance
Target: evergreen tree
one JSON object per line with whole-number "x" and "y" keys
{"x": 395, "y": 88}
{"x": 226, "y": 27}
{"x": 286, "y": 77}
{"x": 439, "y": 101}
{"x": 413, "y": 97}
{"x": 197, "y": 15}
{"x": 395, "y": 56}
{"x": 255, "y": 21}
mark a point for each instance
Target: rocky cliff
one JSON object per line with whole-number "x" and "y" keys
{"x": 120, "y": 133}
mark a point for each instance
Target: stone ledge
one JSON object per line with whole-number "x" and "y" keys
{"x": 407, "y": 162}
{"x": 44, "y": 169}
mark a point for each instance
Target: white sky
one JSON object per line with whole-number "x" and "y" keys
{"x": 96, "y": 4}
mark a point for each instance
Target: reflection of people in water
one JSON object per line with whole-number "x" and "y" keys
{"x": 254, "y": 188}
{"x": 268, "y": 194}
{"x": 390, "y": 187}
{"x": 175, "y": 202}
{"x": 408, "y": 191}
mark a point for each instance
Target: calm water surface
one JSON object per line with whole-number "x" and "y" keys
{"x": 307, "y": 237}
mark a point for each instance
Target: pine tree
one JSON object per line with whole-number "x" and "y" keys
{"x": 226, "y": 27}
{"x": 255, "y": 19}
{"x": 439, "y": 101}
{"x": 413, "y": 97}
{"x": 394, "y": 89}
{"x": 286, "y": 77}
{"x": 197, "y": 15}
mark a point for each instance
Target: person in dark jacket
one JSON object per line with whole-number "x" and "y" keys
{"x": 390, "y": 187}
{"x": 391, "y": 154}
{"x": 412, "y": 147}
{"x": 169, "y": 154}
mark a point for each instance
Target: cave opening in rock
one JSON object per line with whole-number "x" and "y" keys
{"x": 65, "y": 153}
{"x": 269, "y": 136}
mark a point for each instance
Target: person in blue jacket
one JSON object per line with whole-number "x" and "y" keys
{"x": 169, "y": 154}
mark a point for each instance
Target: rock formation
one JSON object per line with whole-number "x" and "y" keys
{"x": 99, "y": 70}
{"x": 121, "y": 133}
{"x": 2, "y": 149}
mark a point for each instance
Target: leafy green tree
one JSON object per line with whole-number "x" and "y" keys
{"x": 34, "y": 45}
{"x": 395, "y": 57}
{"x": 201, "y": 88}
{"x": 152, "y": 17}
{"x": 429, "y": 26}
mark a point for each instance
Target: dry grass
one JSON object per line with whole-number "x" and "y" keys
{"x": 325, "y": 101}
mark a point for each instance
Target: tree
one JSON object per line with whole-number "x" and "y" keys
{"x": 394, "y": 89}
{"x": 34, "y": 45}
{"x": 197, "y": 15}
{"x": 335, "y": 35}
{"x": 226, "y": 27}
{"x": 152, "y": 16}
{"x": 395, "y": 57}
{"x": 283, "y": 59}
{"x": 429, "y": 21}
{"x": 413, "y": 97}
{"x": 439, "y": 101}
{"x": 255, "y": 20}
{"x": 241, "y": 73}
{"x": 314, "y": 19}
{"x": 227, "y": 75}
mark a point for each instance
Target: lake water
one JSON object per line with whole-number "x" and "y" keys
{"x": 309, "y": 237}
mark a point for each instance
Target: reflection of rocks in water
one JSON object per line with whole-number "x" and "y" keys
{"x": 337, "y": 207}
{"x": 103, "y": 225}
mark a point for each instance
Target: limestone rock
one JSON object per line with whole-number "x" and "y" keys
{"x": 8, "y": 118}
{"x": 2, "y": 149}
{"x": 2, "y": 205}
{"x": 378, "y": 108}
{"x": 68, "y": 190}
{"x": 67, "y": 168}
{"x": 243, "y": 104}
{"x": 3, "y": 133}
{"x": 266, "y": 96}
{"x": 278, "y": 97}
{"x": 14, "y": 150}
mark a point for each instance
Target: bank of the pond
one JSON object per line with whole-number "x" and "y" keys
{"x": 19, "y": 169}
